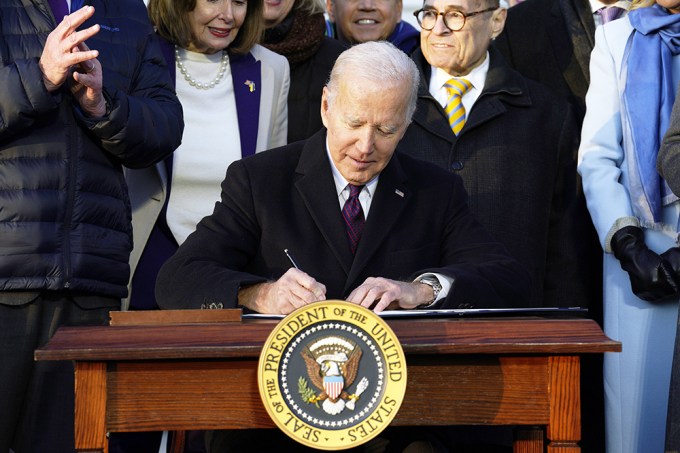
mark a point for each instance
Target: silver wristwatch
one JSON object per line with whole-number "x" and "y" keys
{"x": 433, "y": 282}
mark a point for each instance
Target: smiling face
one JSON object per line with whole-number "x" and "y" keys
{"x": 275, "y": 11}
{"x": 459, "y": 52}
{"x": 364, "y": 20}
{"x": 215, "y": 24}
{"x": 365, "y": 122}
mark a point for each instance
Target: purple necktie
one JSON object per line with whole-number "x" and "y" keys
{"x": 354, "y": 216}
{"x": 610, "y": 13}
{"x": 59, "y": 9}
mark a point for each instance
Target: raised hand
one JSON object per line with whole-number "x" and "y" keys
{"x": 87, "y": 89}
{"x": 63, "y": 51}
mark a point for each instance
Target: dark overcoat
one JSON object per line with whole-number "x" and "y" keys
{"x": 517, "y": 158}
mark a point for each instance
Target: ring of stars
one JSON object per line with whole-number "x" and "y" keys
{"x": 301, "y": 413}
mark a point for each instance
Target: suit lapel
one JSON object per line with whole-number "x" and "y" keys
{"x": 245, "y": 73}
{"x": 503, "y": 85}
{"x": 427, "y": 118}
{"x": 246, "y": 77}
{"x": 431, "y": 118}
{"x": 580, "y": 24}
{"x": 315, "y": 185}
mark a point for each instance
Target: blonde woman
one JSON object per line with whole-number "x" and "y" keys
{"x": 634, "y": 74}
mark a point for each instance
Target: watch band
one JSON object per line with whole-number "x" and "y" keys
{"x": 433, "y": 282}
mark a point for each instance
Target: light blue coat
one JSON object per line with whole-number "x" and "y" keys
{"x": 637, "y": 379}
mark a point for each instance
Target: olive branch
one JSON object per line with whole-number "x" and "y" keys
{"x": 307, "y": 394}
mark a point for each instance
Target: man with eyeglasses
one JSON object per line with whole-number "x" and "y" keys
{"x": 515, "y": 151}
{"x": 357, "y": 21}
{"x": 511, "y": 140}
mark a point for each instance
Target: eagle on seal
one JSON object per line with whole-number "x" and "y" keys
{"x": 332, "y": 368}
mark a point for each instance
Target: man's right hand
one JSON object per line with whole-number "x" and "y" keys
{"x": 293, "y": 290}
{"x": 652, "y": 277}
{"x": 61, "y": 52}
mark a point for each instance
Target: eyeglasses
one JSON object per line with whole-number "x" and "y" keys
{"x": 453, "y": 19}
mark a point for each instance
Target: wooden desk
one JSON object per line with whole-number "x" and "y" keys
{"x": 505, "y": 371}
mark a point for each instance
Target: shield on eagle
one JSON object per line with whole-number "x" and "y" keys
{"x": 333, "y": 386}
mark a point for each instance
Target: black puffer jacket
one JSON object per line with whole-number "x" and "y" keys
{"x": 65, "y": 218}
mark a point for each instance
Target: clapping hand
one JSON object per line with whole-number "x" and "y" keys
{"x": 66, "y": 54}
{"x": 87, "y": 89}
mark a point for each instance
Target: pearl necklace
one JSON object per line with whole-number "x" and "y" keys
{"x": 195, "y": 83}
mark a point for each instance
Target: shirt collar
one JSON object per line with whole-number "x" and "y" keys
{"x": 477, "y": 77}
{"x": 341, "y": 182}
{"x": 596, "y": 5}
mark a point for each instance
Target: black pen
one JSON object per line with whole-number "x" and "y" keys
{"x": 290, "y": 258}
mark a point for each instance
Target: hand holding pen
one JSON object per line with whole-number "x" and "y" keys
{"x": 293, "y": 290}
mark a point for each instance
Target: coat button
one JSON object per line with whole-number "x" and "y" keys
{"x": 457, "y": 165}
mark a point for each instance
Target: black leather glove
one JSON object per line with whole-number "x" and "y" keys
{"x": 672, "y": 257}
{"x": 652, "y": 278}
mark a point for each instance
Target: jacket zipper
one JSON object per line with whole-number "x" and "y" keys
{"x": 72, "y": 153}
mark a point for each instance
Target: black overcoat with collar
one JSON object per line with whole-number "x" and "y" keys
{"x": 550, "y": 41}
{"x": 517, "y": 158}
{"x": 286, "y": 199}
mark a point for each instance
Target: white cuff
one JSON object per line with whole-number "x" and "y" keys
{"x": 620, "y": 223}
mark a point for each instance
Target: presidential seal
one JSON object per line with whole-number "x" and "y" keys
{"x": 332, "y": 375}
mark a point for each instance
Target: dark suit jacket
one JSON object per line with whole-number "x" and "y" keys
{"x": 668, "y": 160}
{"x": 286, "y": 198}
{"x": 550, "y": 41}
{"x": 517, "y": 157}
{"x": 307, "y": 79}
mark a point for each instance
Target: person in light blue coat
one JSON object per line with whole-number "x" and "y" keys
{"x": 634, "y": 71}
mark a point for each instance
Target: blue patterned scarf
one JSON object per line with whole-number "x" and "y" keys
{"x": 647, "y": 102}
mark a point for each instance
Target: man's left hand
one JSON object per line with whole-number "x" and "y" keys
{"x": 87, "y": 89}
{"x": 382, "y": 293}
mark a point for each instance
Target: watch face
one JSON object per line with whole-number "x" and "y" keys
{"x": 332, "y": 375}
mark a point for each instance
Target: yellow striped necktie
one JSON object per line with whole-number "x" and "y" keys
{"x": 456, "y": 88}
